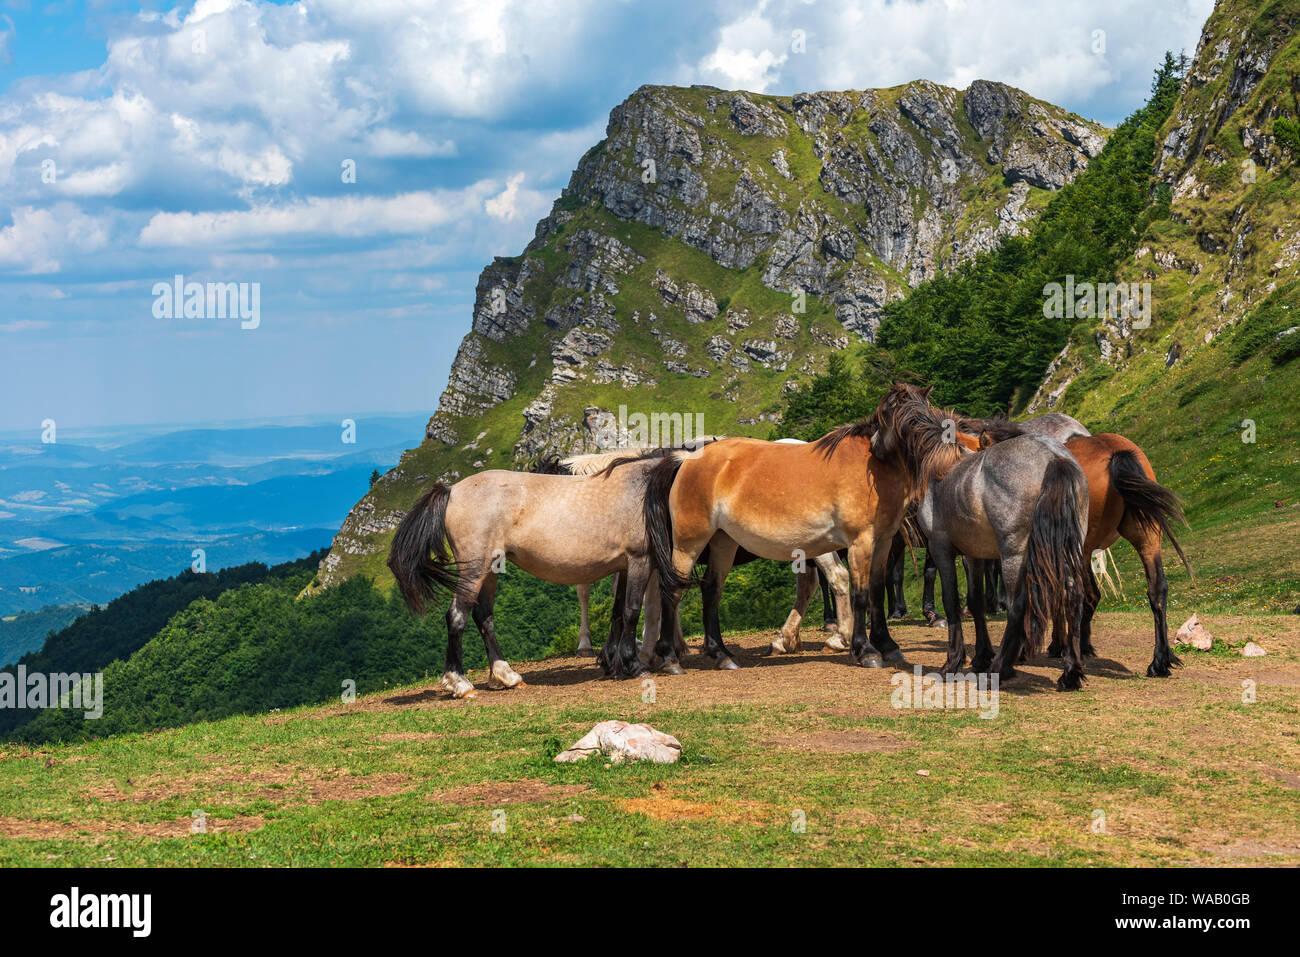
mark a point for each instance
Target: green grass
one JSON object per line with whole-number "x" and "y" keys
{"x": 1016, "y": 790}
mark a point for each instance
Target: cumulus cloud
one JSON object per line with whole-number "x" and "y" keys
{"x": 38, "y": 239}
{"x": 218, "y": 136}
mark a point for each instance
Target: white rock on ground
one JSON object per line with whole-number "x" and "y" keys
{"x": 1253, "y": 650}
{"x": 625, "y": 742}
{"x": 1193, "y": 633}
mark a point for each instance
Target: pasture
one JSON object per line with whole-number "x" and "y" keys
{"x": 1184, "y": 771}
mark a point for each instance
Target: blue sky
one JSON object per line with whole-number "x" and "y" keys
{"x": 210, "y": 140}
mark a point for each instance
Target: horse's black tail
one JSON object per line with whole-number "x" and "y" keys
{"x": 1153, "y": 505}
{"x": 659, "y": 524}
{"x": 1056, "y": 568}
{"x": 420, "y": 558}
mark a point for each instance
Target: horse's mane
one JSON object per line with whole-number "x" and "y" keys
{"x": 861, "y": 429}
{"x": 550, "y": 464}
{"x": 914, "y": 432}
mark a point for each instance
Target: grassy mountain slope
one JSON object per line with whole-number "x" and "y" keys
{"x": 1210, "y": 389}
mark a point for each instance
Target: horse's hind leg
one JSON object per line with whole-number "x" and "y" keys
{"x": 1003, "y": 662}
{"x": 1070, "y": 620}
{"x": 977, "y": 597}
{"x": 584, "y": 629}
{"x": 609, "y": 659}
{"x": 1147, "y": 543}
{"x": 453, "y": 673}
{"x": 722, "y": 552}
{"x": 787, "y": 641}
{"x": 500, "y": 675}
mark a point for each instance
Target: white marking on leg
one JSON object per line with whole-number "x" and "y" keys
{"x": 457, "y": 685}
{"x": 502, "y": 676}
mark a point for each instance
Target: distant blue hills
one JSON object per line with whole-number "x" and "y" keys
{"x": 90, "y": 517}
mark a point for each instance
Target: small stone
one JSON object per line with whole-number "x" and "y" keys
{"x": 620, "y": 741}
{"x": 575, "y": 818}
{"x": 924, "y": 773}
{"x": 1253, "y": 650}
{"x": 1193, "y": 633}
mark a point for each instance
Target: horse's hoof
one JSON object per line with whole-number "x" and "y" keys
{"x": 1153, "y": 671}
{"x": 895, "y": 655}
{"x": 586, "y": 653}
{"x": 727, "y": 664}
{"x": 831, "y": 626}
{"x": 837, "y": 643}
{"x": 938, "y": 623}
{"x": 671, "y": 668}
{"x": 872, "y": 661}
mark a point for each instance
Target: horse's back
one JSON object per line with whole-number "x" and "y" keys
{"x": 1056, "y": 425}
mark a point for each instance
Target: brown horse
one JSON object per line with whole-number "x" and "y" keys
{"x": 1126, "y": 501}
{"x": 783, "y": 502}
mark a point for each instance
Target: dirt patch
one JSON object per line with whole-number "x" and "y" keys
{"x": 426, "y": 736}
{"x": 291, "y": 786}
{"x": 1285, "y": 777}
{"x": 94, "y": 830}
{"x": 668, "y": 808}
{"x": 494, "y": 793}
{"x": 839, "y": 742}
{"x": 663, "y": 805}
{"x": 1253, "y": 848}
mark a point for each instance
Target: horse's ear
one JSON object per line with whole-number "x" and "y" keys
{"x": 986, "y": 440}
{"x": 925, "y": 393}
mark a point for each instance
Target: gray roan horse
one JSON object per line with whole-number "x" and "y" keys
{"x": 564, "y": 529}
{"x": 1024, "y": 500}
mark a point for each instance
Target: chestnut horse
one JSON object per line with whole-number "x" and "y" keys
{"x": 1126, "y": 501}
{"x": 784, "y": 502}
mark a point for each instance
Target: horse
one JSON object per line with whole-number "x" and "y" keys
{"x": 826, "y": 570}
{"x": 1125, "y": 500}
{"x": 1023, "y": 499}
{"x": 569, "y": 530}
{"x": 593, "y": 464}
{"x": 781, "y": 501}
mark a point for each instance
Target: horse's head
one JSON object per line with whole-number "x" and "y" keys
{"x": 926, "y": 441}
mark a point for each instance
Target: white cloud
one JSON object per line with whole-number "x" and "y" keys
{"x": 40, "y": 238}
{"x": 319, "y": 217}
{"x": 387, "y": 142}
{"x": 502, "y": 206}
{"x": 749, "y": 55}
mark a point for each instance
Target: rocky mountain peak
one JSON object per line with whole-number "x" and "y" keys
{"x": 711, "y": 252}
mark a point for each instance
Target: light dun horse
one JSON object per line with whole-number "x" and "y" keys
{"x": 570, "y": 530}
